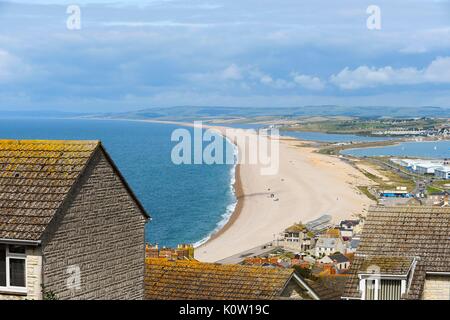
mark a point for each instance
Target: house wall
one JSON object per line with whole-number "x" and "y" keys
{"x": 436, "y": 288}
{"x": 34, "y": 276}
{"x": 95, "y": 247}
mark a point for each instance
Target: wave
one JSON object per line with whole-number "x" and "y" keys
{"x": 225, "y": 217}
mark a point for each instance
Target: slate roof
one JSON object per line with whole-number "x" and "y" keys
{"x": 328, "y": 287}
{"x": 193, "y": 280}
{"x": 394, "y": 236}
{"x": 35, "y": 178}
{"x": 323, "y": 242}
{"x": 339, "y": 258}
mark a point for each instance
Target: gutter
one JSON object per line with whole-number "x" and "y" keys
{"x": 20, "y": 242}
{"x": 438, "y": 273}
{"x": 307, "y": 287}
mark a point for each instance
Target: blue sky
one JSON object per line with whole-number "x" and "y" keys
{"x": 139, "y": 54}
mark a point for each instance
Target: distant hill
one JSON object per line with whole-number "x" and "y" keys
{"x": 39, "y": 114}
{"x": 190, "y": 112}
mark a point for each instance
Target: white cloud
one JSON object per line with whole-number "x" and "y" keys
{"x": 438, "y": 71}
{"x": 233, "y": 72}
{"x": 11, "y": 67}
{"x": 308, "y": 82}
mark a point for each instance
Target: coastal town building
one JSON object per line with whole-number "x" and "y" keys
{"x": 404, "y": 254}
{"x": 427, "y": 168}
{"x": 442, "y": 172}
{"x": 297, "y": 238}
{"x": 193, "y": 280}
{"x": 337, "y": 260}
{"x": 327, "y": 245}
{"x": 182, "y": 252}
{"x": 70, "y": 226}
{"x": 439, "y": 168}
{"x": 352, "y": 246}
{"x": 347, "y": 228}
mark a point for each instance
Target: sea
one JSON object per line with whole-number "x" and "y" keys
{"x": 187, "y": 203}
{"x": 419, "y": 149}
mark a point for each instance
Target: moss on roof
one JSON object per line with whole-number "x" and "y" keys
{"x": 35, "y": 177}
{"x": 187, "y": 279}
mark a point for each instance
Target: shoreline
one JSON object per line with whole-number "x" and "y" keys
{"x": 240, "y": 198}
{"x": 306, "y": 185}
{"x": 237, "y": 186}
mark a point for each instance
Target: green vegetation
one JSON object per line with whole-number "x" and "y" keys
{"x": 365, "y": 191}
{"x": 366, "y": 126}
{"x": 433, "y": 189}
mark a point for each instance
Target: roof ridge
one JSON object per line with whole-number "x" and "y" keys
{"x": 38, "y": 141}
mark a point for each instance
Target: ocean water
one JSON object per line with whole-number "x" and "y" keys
{"x": 186, "y": 202}
{"x": 425, "y": 149}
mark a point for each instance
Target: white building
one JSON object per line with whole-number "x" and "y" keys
{"x": 443, "y": 172}
{"x": 326, "y": 246}
{"x": 427, "y": 168}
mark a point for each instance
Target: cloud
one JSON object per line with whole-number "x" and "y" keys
{"x": 11, "y": 67}
{"x": 232, "y": 72}
{"x": 308, "y": 82}
{"x": 437, "y": 72}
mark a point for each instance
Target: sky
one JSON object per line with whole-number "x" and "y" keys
{"x": 136, "y": 54}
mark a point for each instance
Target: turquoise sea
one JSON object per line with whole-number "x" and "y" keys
{"x": 186, "y": 202}
{"x": 424, "y": 149}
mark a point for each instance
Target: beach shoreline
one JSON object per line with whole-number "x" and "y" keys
{"x": 307, "y": 185}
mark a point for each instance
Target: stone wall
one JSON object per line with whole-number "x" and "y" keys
{"x": 94, "y": 249}
{"x": 436, "y": 288}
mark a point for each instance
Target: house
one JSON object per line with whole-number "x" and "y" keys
{"x": 70, "y": 226}
{"x": 404, "y": 254}
{"x": 340, "y": 261}
{"x": 326, "y": 246}
{"x": 297, "y": 238}
{"x": 353, "y": 245}
{"x": 346, "y": 228}
{"x": 192, "y": 280}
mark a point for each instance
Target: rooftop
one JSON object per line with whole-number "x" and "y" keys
{"x": 298, "y": 227}
{"x": 392, "y": 236}
{"x": 35, "y": 177}
{"x": 183, "y": 279}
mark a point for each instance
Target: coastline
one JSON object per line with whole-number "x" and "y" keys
{"x": 236, "y": 186}
{"x": 239, "y": 194}
{"x": 307, "y": 185}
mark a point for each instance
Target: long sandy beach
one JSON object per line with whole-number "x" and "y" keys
{"x": 306, "y": 186}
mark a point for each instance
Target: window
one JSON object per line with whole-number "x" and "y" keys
{"x": 12, "y": 268}
{"x": 383, "y": 289}
{"x": 390, "y": 290}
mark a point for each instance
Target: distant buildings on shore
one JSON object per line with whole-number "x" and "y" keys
{"x": 439, "y": 168}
